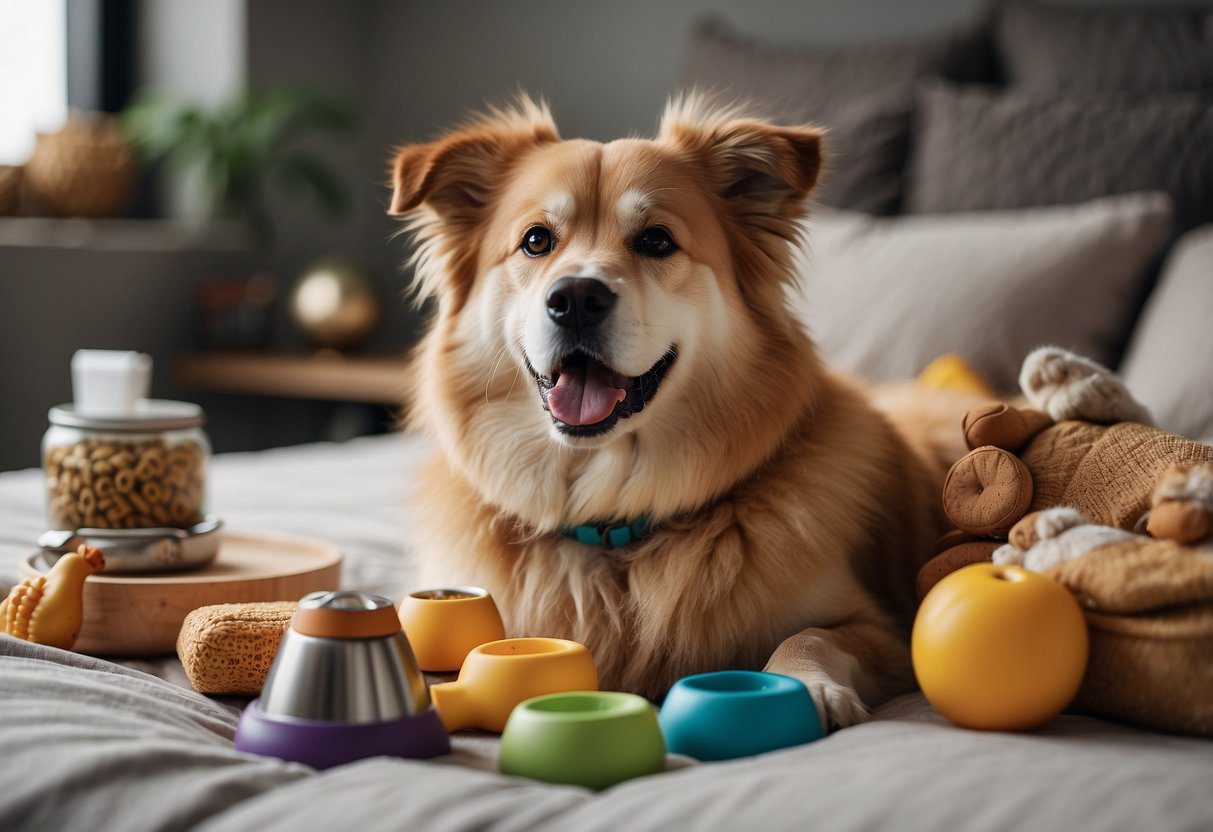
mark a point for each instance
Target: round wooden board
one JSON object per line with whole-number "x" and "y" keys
{"x": 135, "y": 615}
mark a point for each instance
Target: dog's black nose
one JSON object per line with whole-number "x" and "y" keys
{"x": 579, "y": 302}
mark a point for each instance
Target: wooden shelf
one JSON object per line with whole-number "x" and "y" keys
{"x": 331, "y": 376}
{"x": 141, "y": 235}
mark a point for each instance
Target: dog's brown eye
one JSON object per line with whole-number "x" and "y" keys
{"x": 655, "y": 242}
{"x": 537, "y": 241}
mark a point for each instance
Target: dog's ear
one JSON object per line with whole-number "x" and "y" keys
{"x": 452, "y": 174}
{"x": 444, "y": 186}
{"x": 456, "y": 174}
{"x": 763, "y": 171}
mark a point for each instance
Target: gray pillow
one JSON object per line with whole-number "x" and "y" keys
{"x": 883, "y": 297}
{"x": 978, "y": 149}
{"x": 1169, "y": 363}
{"x": 863, "y": 94}
{"x": 1048, "y": 48}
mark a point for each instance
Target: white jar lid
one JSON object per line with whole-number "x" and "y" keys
{"x": 147, "y": 415}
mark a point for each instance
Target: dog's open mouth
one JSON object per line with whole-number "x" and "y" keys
{"x": 585, "y": 397}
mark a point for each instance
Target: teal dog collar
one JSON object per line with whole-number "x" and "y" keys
{"x": 609, "y": 535}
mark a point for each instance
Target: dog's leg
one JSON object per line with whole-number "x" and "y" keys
{"x": 845, "y": 667}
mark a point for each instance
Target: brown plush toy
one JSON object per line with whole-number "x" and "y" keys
{"x": 1148, "y": 601}
{"x": 1084, "y": 443}
{"x": 1118, "y": 512}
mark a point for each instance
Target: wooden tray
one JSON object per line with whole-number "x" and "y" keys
{"x": 134, "y": 615}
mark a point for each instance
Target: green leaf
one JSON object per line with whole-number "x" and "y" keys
{"x": 160, "y": 127}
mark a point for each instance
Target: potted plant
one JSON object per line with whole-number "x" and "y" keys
{"x": 233, "y": 153}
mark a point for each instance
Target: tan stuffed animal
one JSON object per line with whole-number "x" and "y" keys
{"x": 1083, "y": 443}
{"x": 1148, "y": 601}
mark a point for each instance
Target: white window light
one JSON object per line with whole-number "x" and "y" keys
{"x": 33, "y": 73}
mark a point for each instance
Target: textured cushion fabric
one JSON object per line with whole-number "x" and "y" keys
{"x": 1169, "y": 363}
{"x": 91, "y": 745}
{"x": 883, "y": 297}
{"x": 863, "y": 94}
{"x": 976, "y": 148}
{"x": 1047, "y": 48}
{"x": 88, "y": 745}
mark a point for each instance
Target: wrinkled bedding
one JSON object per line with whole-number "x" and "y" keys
{"x": 90, "y": 744}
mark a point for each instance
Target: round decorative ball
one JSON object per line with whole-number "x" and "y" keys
{"x": 335, "y": 303}
{"x": 999, "y": 648}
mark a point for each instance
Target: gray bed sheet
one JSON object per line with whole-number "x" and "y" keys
{"x": 90, "y": 744}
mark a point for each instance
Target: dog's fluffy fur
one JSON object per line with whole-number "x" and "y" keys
{"x": 790, "y": 514}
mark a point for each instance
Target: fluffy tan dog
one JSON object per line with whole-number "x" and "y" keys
{"x": 612, "y": 345}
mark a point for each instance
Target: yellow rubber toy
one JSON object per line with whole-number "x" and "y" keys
{"x": 444, "y": 625}
{"x": 951, "y": 372}
{"x": 497, "y": 676}
{"x": 999, "y": 648}
{"x": 49, "y": 609}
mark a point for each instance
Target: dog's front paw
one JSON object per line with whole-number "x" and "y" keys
{"x": 827, "y": 671}
{"x": 838, "y": 706}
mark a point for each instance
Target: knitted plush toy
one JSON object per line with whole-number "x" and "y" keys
{"x": 1083, "y": 443}
{"x": 1148, "y": 601}
{"x": 1117, "y": 511}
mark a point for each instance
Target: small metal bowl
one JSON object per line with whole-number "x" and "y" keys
{"x": 352, "y": 681}
{"x": 343, "y": 686}
{"x": 141, "y": 550}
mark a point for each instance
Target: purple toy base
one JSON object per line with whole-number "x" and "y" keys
{"x": 328, "y": 744}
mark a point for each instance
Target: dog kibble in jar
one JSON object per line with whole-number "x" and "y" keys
{"x": 146, "y": 469}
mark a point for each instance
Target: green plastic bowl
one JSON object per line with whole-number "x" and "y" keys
{"x": 593, "y": 739}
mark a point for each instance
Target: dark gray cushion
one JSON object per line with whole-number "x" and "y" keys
{"x": 863, "y": 94}
{"x": 1049, "y": 48}
{"x": 977, "y": 149}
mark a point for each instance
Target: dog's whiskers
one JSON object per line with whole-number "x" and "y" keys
{"x": 497, "y": 359}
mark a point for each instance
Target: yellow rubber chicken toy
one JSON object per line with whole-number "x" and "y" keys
{"x": 49, "y": 609}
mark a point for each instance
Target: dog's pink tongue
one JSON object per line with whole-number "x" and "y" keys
{"x": 584, "y": 395}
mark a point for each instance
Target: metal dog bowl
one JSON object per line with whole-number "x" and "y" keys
{"x": 349, "y": 680}
{"x": 343, "y": 686}
{"x": 141, "y": 550}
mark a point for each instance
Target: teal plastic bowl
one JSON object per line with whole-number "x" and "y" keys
{"x": 593, "y": 739}
{"x": 737, "y": 713}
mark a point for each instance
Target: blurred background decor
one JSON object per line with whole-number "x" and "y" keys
{"x": 235, "y": 313}
{"x": 336, "y": 304}
{"x": 10, "y": 189}
{"x": 231, "y": 153}
{"x": 87, "y": 168}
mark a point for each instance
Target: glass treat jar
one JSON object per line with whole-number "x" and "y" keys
{"x": 145, "y": 469}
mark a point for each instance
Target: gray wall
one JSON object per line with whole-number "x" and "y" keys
{"x": 193, "y": 49}
{"x": 606, "y": 67}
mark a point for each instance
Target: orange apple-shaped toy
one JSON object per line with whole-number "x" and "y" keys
{"x": 999, "y": 648}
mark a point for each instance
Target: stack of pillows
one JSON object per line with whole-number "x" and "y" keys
{"x": 1015, "y": 182}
